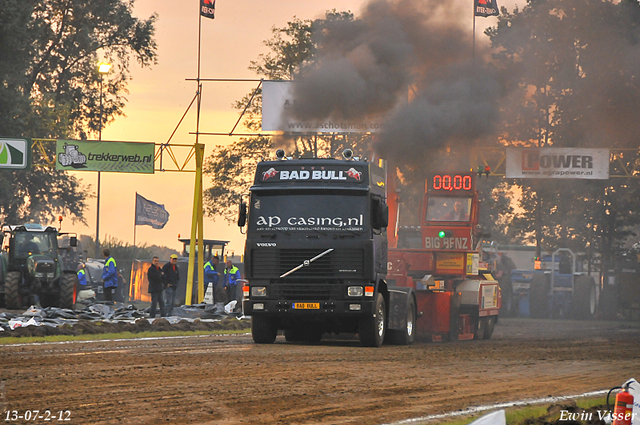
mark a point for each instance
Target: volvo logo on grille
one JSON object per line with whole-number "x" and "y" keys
{"x": 266, "y": 244}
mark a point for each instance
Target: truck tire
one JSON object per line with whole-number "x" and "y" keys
{"x": 538, "y": 299}
{"x": 372, "y": 329}
{"x": 68, "y": 288}
{"x": 263, "y": 330}
{"x": 583, "y": 301}
{"x": 12, "y": 296}
{"x": 407, "y": 335}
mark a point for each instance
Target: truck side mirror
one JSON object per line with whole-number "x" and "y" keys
{"x": 380, "y": 214}
{"x": 73, "y": 241}
{"x": 242, "y": 214}
{"x": 384, "y": 215}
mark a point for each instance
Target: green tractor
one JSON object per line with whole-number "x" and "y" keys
{"x": 31, "y": 266}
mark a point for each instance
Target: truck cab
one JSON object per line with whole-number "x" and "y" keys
{"x": 316, "y": 250}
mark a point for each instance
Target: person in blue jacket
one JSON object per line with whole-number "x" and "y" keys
{"x": 211, "y": 276}
{"x": 82, "y": 275}
{"x": 109, "y": 275}
{"x": 231, "y": 277}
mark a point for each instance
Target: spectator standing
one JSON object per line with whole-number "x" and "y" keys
{"x": 109, "y": 275}
{"x": 171, "y": 281}
{"x": 211, "y": 275}
{"x": 154, "y": 275}
{"x": 231, "y": 277}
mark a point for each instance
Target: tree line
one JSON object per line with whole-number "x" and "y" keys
{"x": 557, "y": 73}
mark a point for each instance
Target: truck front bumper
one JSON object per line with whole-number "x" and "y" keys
{"x": 354, "y": 307}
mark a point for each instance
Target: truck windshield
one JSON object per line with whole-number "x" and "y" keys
{"x": 31, "y": 243}
{"x": 440, "y": 208}
{"x": 304, "y": 212}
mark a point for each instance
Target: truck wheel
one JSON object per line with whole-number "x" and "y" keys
{"x": 480, "y": 328}
{"x": 490, "y": 323}
{"x": 68, "y": 290}
{"x": 407, "y": 335}
{"x": 538, "y": 299}
{"x": 12, "y": 297}
{"x": 372, "y": 329}
{"x": 263, "y": 330}
{"x": 583, "y": 302}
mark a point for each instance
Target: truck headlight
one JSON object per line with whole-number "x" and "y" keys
{"x": 355, "y": 291}
{"x": 258, "y": 291}
{"x": 39, "y": 274}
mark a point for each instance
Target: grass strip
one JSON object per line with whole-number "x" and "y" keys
{"x": 118, "y": 335}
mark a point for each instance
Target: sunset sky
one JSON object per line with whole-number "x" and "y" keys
{"x": 159, "y": 97}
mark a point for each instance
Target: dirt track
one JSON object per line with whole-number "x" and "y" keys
{"x": 230, "y": 380}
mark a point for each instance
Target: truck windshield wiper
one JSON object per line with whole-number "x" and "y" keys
{"x": 307, "y": 262}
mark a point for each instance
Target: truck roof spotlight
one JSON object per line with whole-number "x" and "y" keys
{"x": 280, "y": 154}
{"x": 347, "y": 154}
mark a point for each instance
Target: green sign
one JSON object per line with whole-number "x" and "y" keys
{"x": 121, "y": 157}
{"x": 14, "y": 154}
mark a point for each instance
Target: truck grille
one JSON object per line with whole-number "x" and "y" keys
{"x": 306, "y": 291}
{"x": 338, "y": 264}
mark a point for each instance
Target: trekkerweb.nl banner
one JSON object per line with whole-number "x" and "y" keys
{"x": 122, "y": 157}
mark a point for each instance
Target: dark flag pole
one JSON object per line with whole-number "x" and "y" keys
{"x": 473, "y": 48}
{"x": 135, "y": 217}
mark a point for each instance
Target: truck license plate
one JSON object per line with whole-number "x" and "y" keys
{"x": 306, "y": 306}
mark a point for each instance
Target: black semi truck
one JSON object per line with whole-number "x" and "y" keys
{"x": 316, "y": 253}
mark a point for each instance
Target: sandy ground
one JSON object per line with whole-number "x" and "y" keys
{"x": 229, "y": 380}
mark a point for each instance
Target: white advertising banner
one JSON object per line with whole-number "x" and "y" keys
{"x": 557, "y": 163}
{"x": 278, "y": 102}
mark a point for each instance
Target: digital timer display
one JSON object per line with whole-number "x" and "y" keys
{"x": 450, "y": 182}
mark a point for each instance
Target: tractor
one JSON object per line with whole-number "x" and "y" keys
{"x": 32, "y": 269}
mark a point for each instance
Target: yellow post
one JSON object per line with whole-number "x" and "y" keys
{"x": 199, "y": 156}
{"x": 196, "y": 225}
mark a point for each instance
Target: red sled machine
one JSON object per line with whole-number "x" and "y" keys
{"x": 456, "y": 297}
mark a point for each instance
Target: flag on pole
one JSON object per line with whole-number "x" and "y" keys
{"x": 484, "y": 8}
{"x": 208, "y": 8}
{"x": 149, "y": 213}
